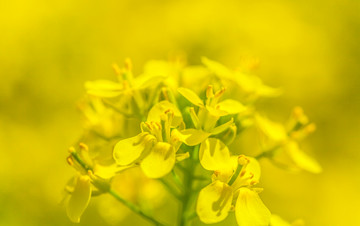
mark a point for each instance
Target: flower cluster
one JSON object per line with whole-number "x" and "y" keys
{"x": 176, "y": 125}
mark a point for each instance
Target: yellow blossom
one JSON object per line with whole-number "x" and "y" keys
{"x": 154, "y": 149}
{"x": 208, "y": 114}
{"x": 278, "y": 140}
{"x": 233, "y": 178}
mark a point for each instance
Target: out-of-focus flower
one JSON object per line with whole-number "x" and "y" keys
{"x": 278, "y": 140}
{"x": 249, "y": 87}
{"x": 130, "y": 95}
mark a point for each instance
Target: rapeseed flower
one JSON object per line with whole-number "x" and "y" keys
{"x": 173, "y": 125}
{"x": 232, "y": 187}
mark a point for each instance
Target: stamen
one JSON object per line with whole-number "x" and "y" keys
{"x": 219, "y": 93}
{"x": 165, "y": 93}
{"x": 298, "y": 112}
{"x": 72, "y": 149}
{"x": 126, "y": 85}
{"x": 128, "y": 64}
{"x": 70, "y": 160}
{"x": 242, "y": 173}
{"x": 83, "y": 147}
{"x": 310, "y": 128}
{"x": 243, "y": 160}
{"x": 209, "y": 92}
{"x": 116, "y": 69}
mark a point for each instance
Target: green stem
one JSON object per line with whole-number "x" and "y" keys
{"x": 130, "y": 205}
{"x": 188, "y": 182}
{"x": 133, "y": 207}
{"x": 170, "y": 189}
{"x": 177, "y": 179}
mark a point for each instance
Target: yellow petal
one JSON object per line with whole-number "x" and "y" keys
{"x": 267, "y": 91}
{"x": 214, "y": 155}
{"x": 79, "y": 199}
{"x": 301, "y": 159}
{"x": 217, "y": 68}
{"x": 231, "y": 106}
{"x": 274, "y": 131}
{"x": 191, "y": 96}
{"x": 129, "y": 150}
{"x": 160, "y": 160}
{"x": 103, "y": 88}
{"x": 108, "y": 171}
{"x": 192, "y": 137}
{"x": 146, "y": 81}
{"x": 214, "y": 202}
{"x": 159, "y": 109}
{"x": 223, "y": 127}
{"x": 278, "y": 221}
{"x": 250, "y": 210}
{"x": 215, "y": 112}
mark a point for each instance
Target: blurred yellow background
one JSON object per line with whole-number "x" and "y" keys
{"x": 48, "y": 49}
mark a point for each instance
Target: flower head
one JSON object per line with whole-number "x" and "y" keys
{"x": 208, "y": 114}
{"x": 233, "y": 179}
{"x": 154, "y": 149}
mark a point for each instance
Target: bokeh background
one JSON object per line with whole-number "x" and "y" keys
{"x": 48, "y": 49}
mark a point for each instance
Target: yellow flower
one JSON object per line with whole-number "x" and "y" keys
{"x": 103, "y": 121}
{"x": 205, "y": 120}
{"x": 130, "y": 95}
{"x": 79, "y": 199}
{"x": 80, "y": 187}
{"x": 249, "y": 86}
{"x": 233, "y": 179}
{"x": 280, "y": 142}
{"x": 154, "y": 149}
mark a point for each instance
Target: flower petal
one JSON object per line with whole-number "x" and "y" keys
{"x": 79, "y": 199}
{"x": 301, "y": 159}
{"x": 214, "y": 155}
{"x": 103, "y": 88}
{"x": 231, "y": 106}
{"x": 214, "y": 202}
{"x": 250, "y": 210}
{"x": 217, "y": 68}
{"x": 192, "y": 137}
{"x": 191, "y": 96}
{"x": 274, "y": 131}
{"x": 158, "y": 109}
{"x": 160, "y": 160}
{"x": 278, "y": 221}
{"x": 129, "y": 150}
